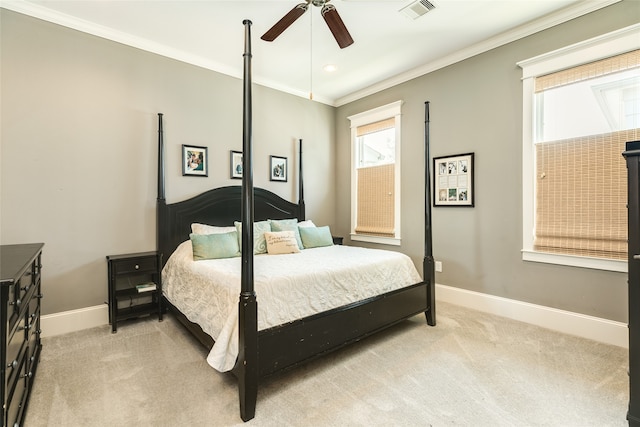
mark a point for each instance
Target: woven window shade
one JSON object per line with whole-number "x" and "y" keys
{"x": 581, "y": 195}
{"x": 581, "y": 183}
{"x": 376, "y": 201}
{"x": 614, "y": 64}
{"x": 376, "y": 127}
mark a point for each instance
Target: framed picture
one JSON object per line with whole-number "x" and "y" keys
{"x": 453, "y": 180}
{"x": 194, "y": 160}
{"x": 278, "y": 169}
{"x": 236, "y": 164}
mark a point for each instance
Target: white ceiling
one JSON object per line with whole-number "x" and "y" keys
{"x": 389, "y": 47}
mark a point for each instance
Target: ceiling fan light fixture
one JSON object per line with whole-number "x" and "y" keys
{"x": 417, "y": 8}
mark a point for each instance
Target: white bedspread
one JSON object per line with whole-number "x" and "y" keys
{"x": 288, "y": 287}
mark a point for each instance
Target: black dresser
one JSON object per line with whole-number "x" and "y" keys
{"x": 20, "y": 295}
{"x": 632, "y": 154}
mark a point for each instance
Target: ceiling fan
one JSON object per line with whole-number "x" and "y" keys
{"x": 329, "y": 13}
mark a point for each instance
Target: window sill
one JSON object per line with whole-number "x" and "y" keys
{"x": 375, "y": 239}
{"x": 575, "y": 261}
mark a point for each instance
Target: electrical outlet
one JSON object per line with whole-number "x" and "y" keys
{"x": 439, "y": 266}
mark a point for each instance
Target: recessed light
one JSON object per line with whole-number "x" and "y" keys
{"x": 330, "y": 68}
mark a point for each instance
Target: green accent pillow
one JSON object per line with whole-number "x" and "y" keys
{"x": 259, "y": 243}
{"x": 214, "y": 246}
{"x": 315, "y": 237}
{"x": 287, "y": 225}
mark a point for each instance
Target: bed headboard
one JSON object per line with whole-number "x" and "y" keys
{"x": 220, "y": 207}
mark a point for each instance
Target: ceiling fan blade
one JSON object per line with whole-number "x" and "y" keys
{"x": 285, "y": 22}
{"x": 337, "y": 27}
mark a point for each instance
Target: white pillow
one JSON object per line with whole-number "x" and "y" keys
{"x": 307, "y": 223}
{"x": 281, "y": 242}
{"x": 197, "y": 228}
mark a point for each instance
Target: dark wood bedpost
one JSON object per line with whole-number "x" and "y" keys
{"x": 247, "y": 365}
{"x": 428, "y": 265}
{"x": 302, "y": 215}
{"x": 161, "y": 209}
{"x": 160, "y": 158}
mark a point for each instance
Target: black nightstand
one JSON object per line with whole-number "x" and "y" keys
{"x": 135, "y": 286}
{"x": 337, "y": 240}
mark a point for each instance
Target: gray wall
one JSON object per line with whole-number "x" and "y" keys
{"x": 78, "y": 157}
{"x": 476, "y": 106}
{"x": 79, "y": 147}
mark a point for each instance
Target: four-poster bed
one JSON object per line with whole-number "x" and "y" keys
{"x": 266, "y": 350}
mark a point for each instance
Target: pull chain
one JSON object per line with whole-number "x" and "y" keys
{"x": 311, "y": 56}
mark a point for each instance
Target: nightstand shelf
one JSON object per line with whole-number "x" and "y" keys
{"x": 127, "y": 271}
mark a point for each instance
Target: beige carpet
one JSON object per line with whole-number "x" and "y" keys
{"x": 473, "y": 369}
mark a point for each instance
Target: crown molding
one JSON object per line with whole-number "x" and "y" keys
{"x": 55, "y": 17}
{"x": 520, "y": 32}
{"x": 551, "y": 20}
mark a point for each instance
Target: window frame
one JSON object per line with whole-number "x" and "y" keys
{"x": 366, "y": 117}
{"x": 607, "y": 45}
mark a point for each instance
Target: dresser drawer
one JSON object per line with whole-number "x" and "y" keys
{"x": 148, "y": 264}
{"x": 34, "y": 302}
{"x": 12, "y": 307}
{"x": 17, "y": 394}
{"x": 33, "y": 345}
{"x": 25, "y": 284}
{"x": 16, "y": 348}
{"x": 33, "y": 324}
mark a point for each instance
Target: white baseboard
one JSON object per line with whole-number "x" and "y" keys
{"x": 594, "y": 328}
{"x": 74, "y": 320}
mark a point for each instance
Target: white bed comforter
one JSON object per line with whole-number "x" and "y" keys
{"x": 288, "y": 287}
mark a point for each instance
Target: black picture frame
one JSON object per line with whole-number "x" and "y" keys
{"x": 278, "y": 170}
{"x": 235, "y": 165}
{"x": 453, "y": 183}
{"x": 195, "y": 160}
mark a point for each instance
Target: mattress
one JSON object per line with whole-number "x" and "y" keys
{"x": 288, "y": 287}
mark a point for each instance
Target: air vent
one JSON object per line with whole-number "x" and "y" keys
{"x": 416, "y": 9}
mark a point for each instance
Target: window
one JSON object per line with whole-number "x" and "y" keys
{"x": 375, "y": 175}
{"x": 581, "y": 104}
